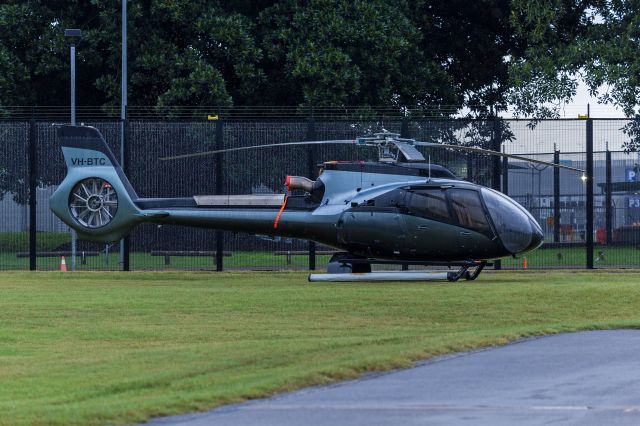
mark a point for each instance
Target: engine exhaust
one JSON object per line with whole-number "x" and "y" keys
{"x": 299, "y": 182}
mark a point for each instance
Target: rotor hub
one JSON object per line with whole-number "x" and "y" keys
{"x": 94, "y": 203}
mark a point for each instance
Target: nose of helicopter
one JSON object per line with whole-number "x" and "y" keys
{"x": 517, "y": 229}
{"x": 522, "y": 234}
{"x": 537, "y": 237}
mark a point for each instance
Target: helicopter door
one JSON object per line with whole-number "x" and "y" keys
{"x": 376, "y": 231}
{"x": 432, "y": 235}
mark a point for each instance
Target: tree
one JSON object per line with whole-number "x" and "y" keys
{"x": 180, "y": 52}
{"x": 388, "y": 53}
{"x": 556, "y": 35}
{"x": 568, "y": 40}
{"x": 349, "y": 53}
{"x": 471, "y": 41}
{"x": 267, "y": 52}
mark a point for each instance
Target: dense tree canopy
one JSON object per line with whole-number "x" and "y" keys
{"x": 325, "y": 52}
{"x": 287, "y": 52}
{"x": 568, "y": 40}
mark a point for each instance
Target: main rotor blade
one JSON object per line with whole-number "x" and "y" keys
{"x": 500, "y": 154}
{"x": 243, "y": 148}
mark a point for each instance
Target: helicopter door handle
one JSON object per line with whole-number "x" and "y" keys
{"x": 465, "y": 233}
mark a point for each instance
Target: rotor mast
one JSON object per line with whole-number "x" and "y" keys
{"x": 392, "y": 148}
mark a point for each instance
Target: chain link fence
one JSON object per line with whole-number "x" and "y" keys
{"x": 580, "y": 231}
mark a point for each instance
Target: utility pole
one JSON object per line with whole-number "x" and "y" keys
{"x": 123, "y": 115}
{"x": 123, "y": 107}
{"x": 73, "y": 37}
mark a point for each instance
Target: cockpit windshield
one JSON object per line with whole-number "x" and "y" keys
{"x": 512, "y": 221}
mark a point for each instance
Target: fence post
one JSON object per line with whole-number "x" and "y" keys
{"x": 33, "y": 186}
{"x": 495, "y": 170}
{"x": 608, "y": 212}
{"x": 311, "y": 169}
{"x": 469, "y": 168}
{"x": 589, "y": 203}
{"x": 556, "y": 197}
{"x": 126, "y": 149}
{"x": 404, "y": 127}
{"x": 219, "y": 189}
{"x": 496, "y": 145}
{"x": 505, "y": 175}
{"x": 404, "y": 133}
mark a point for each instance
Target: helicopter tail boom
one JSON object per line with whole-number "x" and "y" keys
{"x": 98, "y": 201}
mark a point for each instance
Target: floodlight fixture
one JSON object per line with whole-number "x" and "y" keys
{"x": 73, "y": 32}
{"x": 73, "y": 36}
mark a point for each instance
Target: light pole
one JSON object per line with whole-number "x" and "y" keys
{"x": 123, "y": 115}
{"x": 73, "y": 37}
{"x": 123, "y": 105}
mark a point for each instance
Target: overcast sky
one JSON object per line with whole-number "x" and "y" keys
{"x": 579, "y": 106}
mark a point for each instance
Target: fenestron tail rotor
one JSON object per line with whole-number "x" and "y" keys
{"x": 390, "y": 147}
{"x": 93, "y": 203}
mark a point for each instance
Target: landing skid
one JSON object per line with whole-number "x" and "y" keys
{"x": 464, "y": 272}
{"x": 347, "y": 267}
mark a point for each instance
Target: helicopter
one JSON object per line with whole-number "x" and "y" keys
{"x": 398, "y": 210}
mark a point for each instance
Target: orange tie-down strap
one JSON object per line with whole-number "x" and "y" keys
{"x": 275, "y": 224}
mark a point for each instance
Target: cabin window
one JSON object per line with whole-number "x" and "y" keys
{"x": 468, "y": 210}
{"x": 430, "y": 203}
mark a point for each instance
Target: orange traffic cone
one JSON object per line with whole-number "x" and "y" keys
{"x": 525, "y": 263}
{"x": 63, "y": 265}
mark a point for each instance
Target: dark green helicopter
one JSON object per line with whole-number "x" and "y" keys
{"x": 398, "y": 210}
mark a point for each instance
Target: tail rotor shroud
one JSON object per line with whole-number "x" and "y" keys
{"x": 93, "y": 202}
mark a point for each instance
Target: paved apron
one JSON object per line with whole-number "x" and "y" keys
{"x": 580, "y": 378}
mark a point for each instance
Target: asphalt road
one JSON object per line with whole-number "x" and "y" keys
{"x": 589, "y": 378}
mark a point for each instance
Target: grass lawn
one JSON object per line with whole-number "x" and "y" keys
{"x": 104, "y": 348}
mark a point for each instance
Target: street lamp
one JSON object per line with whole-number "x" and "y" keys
{"x": 124, "y": 243}
{"x": 73, "y": 36}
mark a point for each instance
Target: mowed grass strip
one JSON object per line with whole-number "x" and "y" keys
{"x": 105, "y": 348}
